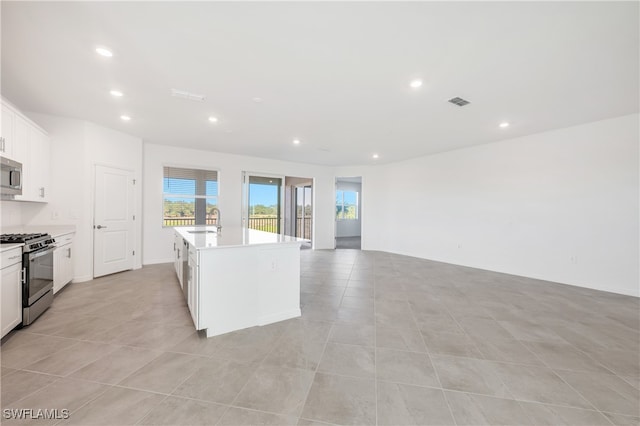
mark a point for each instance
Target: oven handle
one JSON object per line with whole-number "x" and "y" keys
{"x": 40, "y": 253}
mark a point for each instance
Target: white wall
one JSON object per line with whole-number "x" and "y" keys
{"x": 157, "y": 241}
{"x": 76, "y": 147}
{"x": 11, "y": 213}
{"x": 351, "y": 227}
{"x": 560, "y": 206}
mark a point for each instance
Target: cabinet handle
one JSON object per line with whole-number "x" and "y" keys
{"x": 42, "y": 192}
{"x": 69, "y": 256}
{"x": 23, "y": 279}
{"x": 14, "y": 257}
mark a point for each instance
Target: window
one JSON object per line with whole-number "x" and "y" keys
{"x": 190, "y": 197}
{"x": 346, "y": 205}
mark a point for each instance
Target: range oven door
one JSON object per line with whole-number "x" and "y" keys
{"x": 38, "y": 279}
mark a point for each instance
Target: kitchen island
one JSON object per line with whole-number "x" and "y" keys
{"x": 238, "y": 277}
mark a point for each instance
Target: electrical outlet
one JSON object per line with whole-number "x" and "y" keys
{"x": 55, "y": 215}
{"x": 573, "y": 259}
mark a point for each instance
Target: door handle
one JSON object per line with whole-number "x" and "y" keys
{"x": 100, "y": 227}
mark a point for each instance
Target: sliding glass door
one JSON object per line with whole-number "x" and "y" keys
{"x": 263, "y": 202}
{"x": 304, "y": 218}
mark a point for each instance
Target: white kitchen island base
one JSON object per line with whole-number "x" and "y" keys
{"x": 242, "y": 280}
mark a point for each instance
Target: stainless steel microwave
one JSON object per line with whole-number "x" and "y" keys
{"x": 11, "y": 180}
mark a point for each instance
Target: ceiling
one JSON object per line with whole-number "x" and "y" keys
{"x": 335, "y": 75}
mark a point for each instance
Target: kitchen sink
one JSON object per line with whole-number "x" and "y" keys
{"x": 201, "y": 232}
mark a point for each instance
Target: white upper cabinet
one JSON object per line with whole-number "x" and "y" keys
{"x": 25, "y": 142}
{"x": 20, "y": 151}
{"x": 37, "y": 180}
{"x": 7, "y": 132}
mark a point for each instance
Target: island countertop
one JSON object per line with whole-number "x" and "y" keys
{"x": 206, "y": 237}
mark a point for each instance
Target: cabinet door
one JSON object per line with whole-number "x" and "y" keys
{"x": 20, "y": 143}
{"x": 8, "y": 128}
{"x": 177, "y": 257}
{"x": 45, "y": 166}
{"x": 62, "y": 267}
{"x": 39, "y": 166}
{"x": 11, "y": 297}
{"x": 193, "y": 291}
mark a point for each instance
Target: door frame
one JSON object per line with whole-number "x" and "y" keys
{"x": 360, "y": 209}
{"x": 245, "y": 198}
{"x": 134, "y": 204}
{"x": 295, "y": 209}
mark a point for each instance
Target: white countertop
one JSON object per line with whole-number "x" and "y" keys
{"x": 205, "y": 237}
{"x": 53, "y": 230}
{"x": 7, "y": 247}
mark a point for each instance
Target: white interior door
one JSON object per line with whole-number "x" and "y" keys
{"x": 113, "y": 221}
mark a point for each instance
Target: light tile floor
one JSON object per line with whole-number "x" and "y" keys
{"x": 383, "y": 339}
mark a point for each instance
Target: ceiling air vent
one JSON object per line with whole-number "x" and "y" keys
{"x": 186, "y": 95}
{"x": 459, "y": 101}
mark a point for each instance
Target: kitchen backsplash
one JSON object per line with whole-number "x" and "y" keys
{"x": 11, "y": 212}
{"x": 16, "y": 213}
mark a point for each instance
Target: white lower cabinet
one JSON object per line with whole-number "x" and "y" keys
{"x": 192, "y": 295}
{"x": 11, "y": 296}
{"x": 177, "y": 256}
{"x": 63, "y": 262}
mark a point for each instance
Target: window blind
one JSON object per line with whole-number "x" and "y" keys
{"x": 194, "y": 182}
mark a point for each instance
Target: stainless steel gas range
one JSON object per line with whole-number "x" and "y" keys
{"x": 37, "y": 272}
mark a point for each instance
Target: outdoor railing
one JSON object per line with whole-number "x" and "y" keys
{"x": 186, "y": 221}
{"x": 303, "y": 227}
{"x": 267, "y": 224}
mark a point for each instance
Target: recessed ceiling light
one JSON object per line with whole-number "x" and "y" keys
{"x": 375, "y": 156}
{"x": 213, "y": 119}
{"x": 296, "y": 141}
{"x": 104, "y": 52}
{"x": 504, "y": 124}
{"x": 415, "y": 83}
{"x": 116, "y": 93}
{"x": 125, "y": 117}
{"x": 257, "y": 100}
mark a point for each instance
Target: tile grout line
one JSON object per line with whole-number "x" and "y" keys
{"x": 446, "y": 400}
{"x": 375, "y": 347}
{"x": 334, "y": 322}
{"x": 565, "y": 382}
{"x": 534, "y": 354}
